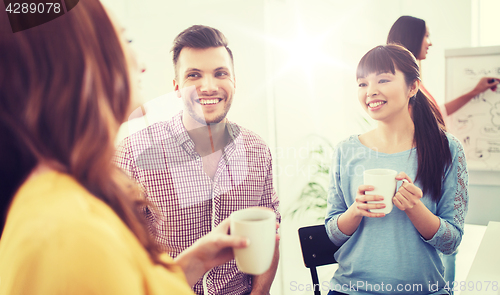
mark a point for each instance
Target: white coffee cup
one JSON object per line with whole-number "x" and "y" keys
{"x": 258, "y": 225}
{"x": 384, "y": 181}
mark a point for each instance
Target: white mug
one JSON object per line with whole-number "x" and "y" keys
{"x": 258, "y": 225}
{"x": 384, "y": 181}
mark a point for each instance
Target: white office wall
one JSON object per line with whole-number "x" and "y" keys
{"x": 487, "y": 18}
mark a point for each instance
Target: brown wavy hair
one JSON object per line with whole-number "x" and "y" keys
{"x": 64, "y": 90}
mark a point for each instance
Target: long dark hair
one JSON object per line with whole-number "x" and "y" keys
{"x": 64, "y": 91}
{"x": 433, "y": 151}
{"x": 409, "y": 32}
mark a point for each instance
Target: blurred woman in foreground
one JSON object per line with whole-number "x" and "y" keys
{"x": 71, "y": 221}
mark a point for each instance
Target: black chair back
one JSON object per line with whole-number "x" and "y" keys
{"x": 317, "y": 250}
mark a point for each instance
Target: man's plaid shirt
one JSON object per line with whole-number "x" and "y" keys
{"x": 162, "y": 159}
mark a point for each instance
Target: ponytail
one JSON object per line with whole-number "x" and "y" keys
{"x": 432, "y": 145}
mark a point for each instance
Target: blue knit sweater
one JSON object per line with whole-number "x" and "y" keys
{"x": 388, "y": 255}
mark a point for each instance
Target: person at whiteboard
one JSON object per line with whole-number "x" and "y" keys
{"x": 385, "y": 253}
{"x": 413, "y": 33}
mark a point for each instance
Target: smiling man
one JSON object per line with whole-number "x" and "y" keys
{"x": 199, "y": 167}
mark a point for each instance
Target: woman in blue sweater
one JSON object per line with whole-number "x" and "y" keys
{"x": 398, "y": 252}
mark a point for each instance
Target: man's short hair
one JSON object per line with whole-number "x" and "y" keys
{"x": 199, "y": 37}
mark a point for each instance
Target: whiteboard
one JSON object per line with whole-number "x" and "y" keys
{"x": 477, "y": 124}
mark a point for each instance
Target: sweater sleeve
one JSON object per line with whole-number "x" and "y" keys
{"x": 336, "y": 204}
{"x": 453, "y": 205}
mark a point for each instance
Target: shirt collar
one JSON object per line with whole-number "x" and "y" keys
{"x": 181, "y": 135}
{"x": 178, "y": 130}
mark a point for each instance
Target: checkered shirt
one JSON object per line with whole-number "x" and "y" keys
{"x": 164, "y": 162}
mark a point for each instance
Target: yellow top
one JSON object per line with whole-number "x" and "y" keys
{"x": 60, "y": 239}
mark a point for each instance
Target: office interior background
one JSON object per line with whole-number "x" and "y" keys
{"x": 295, "y": 65}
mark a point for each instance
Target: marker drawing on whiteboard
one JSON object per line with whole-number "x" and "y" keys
{"x": 476, "y": 125}
{"x": 467, "y": 140}
{"x": 483, "y": 99}
{"x": 478, "y": 114}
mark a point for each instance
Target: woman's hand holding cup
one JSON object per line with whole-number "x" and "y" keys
{"x": 408, "y": 195}
{"x": 364, "y": 202}
{"x": 213, "y": 249}
{"x": 383, "y": 184}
